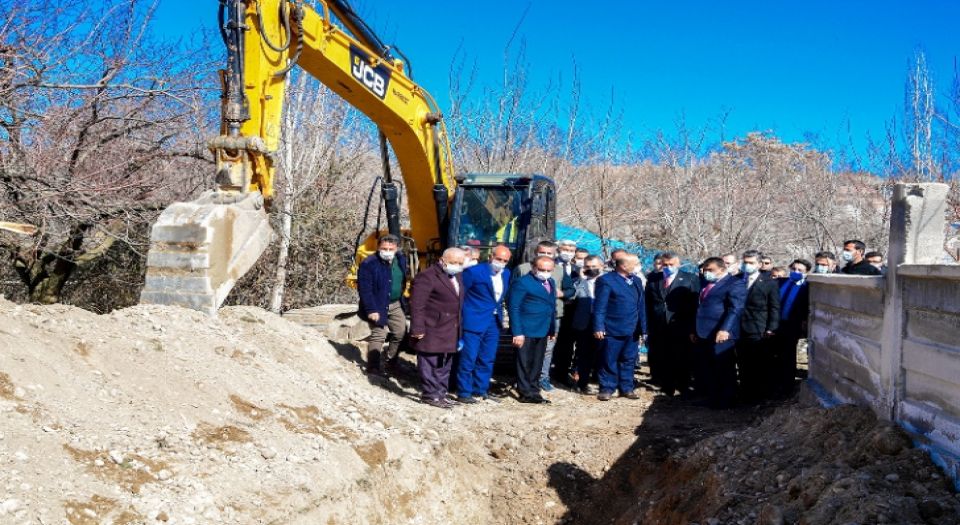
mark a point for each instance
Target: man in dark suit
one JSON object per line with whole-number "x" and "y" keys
{"x": 435, "y": 305}
{"x": 758, "y": 325}
{"x": 794, "y": 312}
{"x": 716, "y": 331}
{"x": 381, "y": 282}
{"x": 582, "y": 324}
{"x": 484, "y": 289}
{"x": 853, "y": 253}
{"x": 533, "y": 310}
{"x": 671, "y": 300}
{"x": 619, "y": 322}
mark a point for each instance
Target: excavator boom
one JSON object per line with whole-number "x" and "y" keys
{"x": 200, "y": 249}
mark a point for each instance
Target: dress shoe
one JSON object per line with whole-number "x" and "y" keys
{"x": 536, "y": 400}
{"x": 488, "y": 397}
{"x": 439, "y": 403}
{"x": 604, "y": 396}
{"x": 466, "y": 400}
{"x": 631, "y": 395}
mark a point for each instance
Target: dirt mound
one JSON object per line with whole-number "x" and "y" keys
{"x": 157, "y": 414}
{"x": 800, "y": 465}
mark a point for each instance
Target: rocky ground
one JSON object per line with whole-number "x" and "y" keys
{"x": 160, "y": 415}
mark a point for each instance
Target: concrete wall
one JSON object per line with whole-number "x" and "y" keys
{"x": 844, "y": 344}
{"x": 893, "y": 343}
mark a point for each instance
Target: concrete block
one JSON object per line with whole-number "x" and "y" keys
{"x": 936, "y": 327}
{"x": 187, "y": 261}
{"x": 851, "y": 322}
{"x": 867, "y": 300}
{"x": 932, "y": 294}
{"x": 925, "y": 389}
{"x": 830, "y": 364}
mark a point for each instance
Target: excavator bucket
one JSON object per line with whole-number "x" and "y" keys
{"x": 199, "y": 249}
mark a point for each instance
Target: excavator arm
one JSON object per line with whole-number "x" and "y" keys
{"x": 200, "y": 249}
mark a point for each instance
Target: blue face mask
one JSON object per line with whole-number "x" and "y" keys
{"x": 710, "y": 277}
{"x": 669, "y": 271}
{"x": 796, "y": 276}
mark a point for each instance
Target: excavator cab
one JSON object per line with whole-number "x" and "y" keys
{"x": 490, "y": 209}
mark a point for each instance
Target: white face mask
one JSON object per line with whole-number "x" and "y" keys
{"x": 821, "y": 268}
{"x": 545, "y": 255}
{"x": 469, "y": 263}
{"x": 452, "y": 269}
{"x": 566, "y": 256}
{"x": 847, "y": 256}
{"x": 710, "y": 277}
{"x": 497, "y": 266}
{"x": 749, "y": 268}
{"x": 543, "y": 276}
{"x": 579, "y": 262}
{"x": 387, "y": 255}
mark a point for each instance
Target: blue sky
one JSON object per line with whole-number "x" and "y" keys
{"x": 831, "y": 69}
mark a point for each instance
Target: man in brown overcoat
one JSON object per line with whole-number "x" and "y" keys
{"x": 435, "y": 303}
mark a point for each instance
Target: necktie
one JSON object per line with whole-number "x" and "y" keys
{"x": 705, "y": 292}
{"x": 668, "y": 281}
{"x": 546, "y": 285}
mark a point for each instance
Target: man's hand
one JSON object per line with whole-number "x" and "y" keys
{"x": 518, "y": 341}
{"x": 559, "y": 293}
{"x": 723, "y": 337}
{"x": 600, "y": 335}
{"x": 373, "y": 317}
{"x": 417, "y": 336}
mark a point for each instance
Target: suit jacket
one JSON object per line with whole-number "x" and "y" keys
{"x": 761, "y": 310}
{"x": 672, "y": 311}
{"x": 721, "y": 310}
{"x": 480, "y": 306}
{"x": 374, "y": 280}
{"x": 792, "y": 325}
{"x": 860, "y": 268}
{"x": 560, "y": 276}
{"x": 533, "y": 310}
{"x": 618, "y": 308}
{"x": 583, "y": 305}
{"x": 435, "y": 309}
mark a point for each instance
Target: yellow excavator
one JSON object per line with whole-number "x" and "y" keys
{"x": 199, "y": 249}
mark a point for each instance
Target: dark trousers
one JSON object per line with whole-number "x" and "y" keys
{"x": 618, "y": 357}
{"x": 784, "y": 362}
{"x": 672, "y": 355}
{"x": 475, "y": 365}
{"x": 755, "y": 368}
{"x": 588, "y": 359}
{"x": 716, "y": 376}
{"x": 434, "y": 374}
{"x": 563, "y": 350}
{"x": 529, "y": 365}
{"x": 656, "y": 348}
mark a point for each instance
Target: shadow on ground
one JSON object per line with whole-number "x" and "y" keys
{"x": 668, "y": 424}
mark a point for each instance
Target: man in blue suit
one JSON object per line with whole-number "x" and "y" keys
{"x": 722, "y": 299}
{"x": 533, "y": 307}
{"x": 619, "y": 322}
{"x": 484, "y": 286}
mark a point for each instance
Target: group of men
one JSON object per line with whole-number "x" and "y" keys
{"x": 729, "y": 331}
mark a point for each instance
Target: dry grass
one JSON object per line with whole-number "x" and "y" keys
{"x": 95, "y": 512}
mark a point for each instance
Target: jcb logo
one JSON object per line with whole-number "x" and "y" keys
{"x": 375, "y": 79}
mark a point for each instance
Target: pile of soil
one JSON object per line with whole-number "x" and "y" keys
{"x": 807, "y": 465}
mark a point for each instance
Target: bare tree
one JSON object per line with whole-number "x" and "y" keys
{"x": 98, "y": 123}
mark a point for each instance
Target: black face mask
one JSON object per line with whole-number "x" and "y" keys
{"x": 591, "y": 272}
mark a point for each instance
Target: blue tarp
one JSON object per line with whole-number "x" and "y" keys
{"x": 592, "y": 243}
